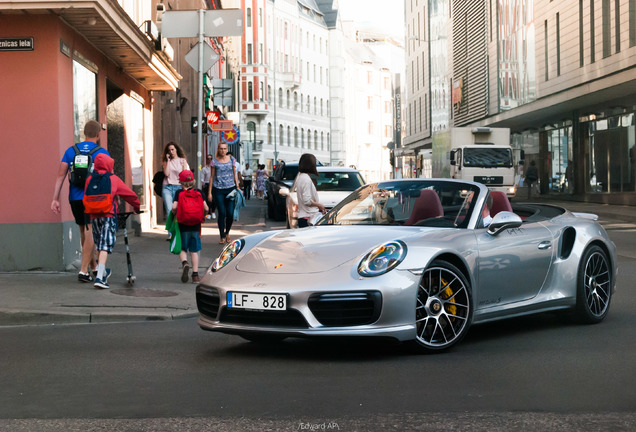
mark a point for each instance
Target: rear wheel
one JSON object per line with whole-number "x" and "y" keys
{"x": 444, "y": 307}
{"x": 594, "y": 284}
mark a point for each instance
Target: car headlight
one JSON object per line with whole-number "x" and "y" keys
{"x": 382, "y": 259}
{"x": 228, "y": 253}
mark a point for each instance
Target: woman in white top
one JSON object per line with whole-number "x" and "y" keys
{"x": 306, "y": 192}
{"x": 173, "y": 163}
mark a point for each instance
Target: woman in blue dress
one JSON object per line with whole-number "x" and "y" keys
{"x": 224, "y": 180}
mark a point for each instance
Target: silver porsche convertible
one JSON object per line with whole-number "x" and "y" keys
{"x": 417, "y": 260}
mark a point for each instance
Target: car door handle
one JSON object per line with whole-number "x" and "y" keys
{"x": 544, "y": 245}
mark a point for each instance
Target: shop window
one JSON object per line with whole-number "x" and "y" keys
{"x": 84, "y": 96}
{"x": 610, "y": 155}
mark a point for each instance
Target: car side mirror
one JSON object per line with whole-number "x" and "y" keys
{"x": 502, "y": 221}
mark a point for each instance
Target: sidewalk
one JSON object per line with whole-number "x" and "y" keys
{"x": 35, "y": 298}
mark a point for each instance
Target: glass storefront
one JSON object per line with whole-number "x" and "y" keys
{"x": 609, "y": 154}
{"x": 560, "y": 163}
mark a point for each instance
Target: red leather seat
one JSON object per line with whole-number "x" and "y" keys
{"x": 500, "y": 202}
{"x": 426, "y": 206}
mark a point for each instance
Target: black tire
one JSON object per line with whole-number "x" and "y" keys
{"x": 443, "y": 308}
{"x": 270, "y": 209}
{"x": 594, "y": 285}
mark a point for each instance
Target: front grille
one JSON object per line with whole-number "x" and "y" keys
{"x": 207, "y": 301}
{"x": 346, "y": 309}
{"x": 289, "y": 318}
{"x": 489, "y": 180}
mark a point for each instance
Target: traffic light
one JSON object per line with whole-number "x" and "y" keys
{"x": 207, "y": 93}
{"x": 194, "y": 124}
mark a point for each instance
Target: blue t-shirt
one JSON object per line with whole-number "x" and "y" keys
{"x": 75, "y": 193}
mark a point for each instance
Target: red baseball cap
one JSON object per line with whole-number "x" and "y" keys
{"x": 186, "y": 176}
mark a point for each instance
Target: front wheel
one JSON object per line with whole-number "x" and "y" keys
{"x": 594, "y": 286}
{"x": 444, "y": 308}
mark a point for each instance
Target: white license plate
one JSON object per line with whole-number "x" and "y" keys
{"x": 242, "y": 300}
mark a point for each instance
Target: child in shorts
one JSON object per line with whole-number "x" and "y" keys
{"x": 105, "y": 223}
{"x": 190, "y": 231}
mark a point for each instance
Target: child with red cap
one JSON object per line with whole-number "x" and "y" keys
{"x": 190, "y": 208}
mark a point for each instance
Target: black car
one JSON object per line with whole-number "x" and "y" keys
{"x": 283, "y": 177}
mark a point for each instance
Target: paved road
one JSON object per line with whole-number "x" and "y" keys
{"x": 536, "y": 373}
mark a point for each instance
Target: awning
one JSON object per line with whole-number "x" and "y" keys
{"x": 107, "y": 26}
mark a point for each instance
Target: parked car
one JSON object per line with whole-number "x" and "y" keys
{"x": 411, "y": 260}
{"x": 333, "y": 185}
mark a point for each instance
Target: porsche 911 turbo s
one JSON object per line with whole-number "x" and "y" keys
{"x": 416, "y": 260}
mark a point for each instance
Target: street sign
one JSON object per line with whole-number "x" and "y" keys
{"x": 213, "y": 117}
{"x": 185, "y": 23}
{"x": 209, "y": 57}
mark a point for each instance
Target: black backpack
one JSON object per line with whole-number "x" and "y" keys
{"x": 81, "y": 166}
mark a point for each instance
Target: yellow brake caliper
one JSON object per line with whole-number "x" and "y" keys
{"x": 446, "y": 294}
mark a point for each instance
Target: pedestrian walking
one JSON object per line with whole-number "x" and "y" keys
{"x": 247, "y": 175}
{"x": 224, "y": 180}
{"x": 190, "y": 207}
{"x": 532, "y": 175}
{"x": 174, "y": 161}
{"x": 306, "y": 193}
{"x": 261, "y": 175}
{"x": 77, "y": 161}
{"x": 100, "y": 202}
{"x": 205, "y": 182}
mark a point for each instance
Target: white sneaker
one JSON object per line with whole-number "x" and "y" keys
{"x": 213, "y": 215}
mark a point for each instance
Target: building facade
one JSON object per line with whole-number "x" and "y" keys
{"x": 63, "y": 65}
{"x": 560, "y": 75}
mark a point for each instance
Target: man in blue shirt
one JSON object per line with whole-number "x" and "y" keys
{"x": 76, "y": 194}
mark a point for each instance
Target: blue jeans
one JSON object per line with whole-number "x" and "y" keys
{"x": 224, "y": 209}
{"x": 167, "y": 194}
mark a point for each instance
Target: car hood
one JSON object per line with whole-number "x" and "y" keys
{"x": 319, "y": 249}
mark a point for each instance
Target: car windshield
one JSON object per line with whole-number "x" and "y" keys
{"x": 487, "y": 157}
{"x": 339, "y": 181}
{"x": 410, "y": 203}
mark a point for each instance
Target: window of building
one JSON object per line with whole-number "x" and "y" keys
{"x": 607, "y": 28}
{"x": 260, "y": 93}
{"x": 370, "y": 128}
{"x": 249, "y": 53}
{"x": 558, "y": 45}
{"x": 322, "y": 141}
{"x": 295, "y": 137}
{"x": 592, "y": 39}
{"x": 269, "y": 134}
{"x": 321, "y": 108}
{"x": 309, "y": 139}
{"x": 84, "y": 94}
{"x": 302, "y": 138}
{"x": 248, "y": 20}
{"x": 280, "y": 135}
{"x": 280, "y": 97}
{"x": 369, "y": 77}
{"x": 315, "y": 140}
{"x": 260, "y": 54}
{"x": 288, "y": 136}
{"x": 581, "y": 50}
{"x": 260, "y": 17}
{"x": 315, "y": 105}
{"x": 295, "y": 101}
{"x": 632, "y": 23}
{"x": 617, "y": 26}
{"x": 288, "y": 99}
{"x": 250, "y": 92}
{"x": 545, "y": 48}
